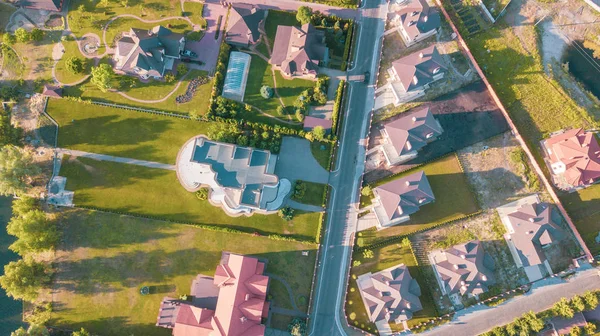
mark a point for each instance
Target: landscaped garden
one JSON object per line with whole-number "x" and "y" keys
{"x": 382, "y": 258}
{"x": 454, "y": 199}
{"x": 152, "y": 192}
{"x": 65, "y": 72}
{"x": 309, "y": 192}
{"x": 107, "y": 258}
{"x": 193, "y": 10}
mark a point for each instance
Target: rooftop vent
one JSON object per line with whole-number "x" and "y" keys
{"x": 462, "y": 256}
{"x": 414, "y": 119}
{"x": 532, "y": 219}
{"x": 462, "y": 282}
{"x": 243, "y": 319}
{"x": 415, "y": 80}
{"x": 425, "y": 18}
{"x": 484, "y": 278}
{"x": 421, "y": 55}
{"x": 455, "y": 266}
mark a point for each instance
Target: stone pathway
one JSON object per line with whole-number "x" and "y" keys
{"x": 102, "y": 157}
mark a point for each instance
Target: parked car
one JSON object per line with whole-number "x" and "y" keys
{"x": 367, "y": 77}
{"x": 189, "y": 53}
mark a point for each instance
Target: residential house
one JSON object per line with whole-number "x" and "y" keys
{"x": 50, "y": 5}
{"x": 405, "y": 136}
{"x": 395, "y": 201}
{"x": 241, "y": 292}
{"x": 416, "y": 21}
{"x": 390, "y": 295}
{"x": 463, "y": 269}
{"x": 297, "y": 51}
{"x": 531, "y": 227}
{"x": 52, "y": 91}
{"x": 240, "y": 179}
{"x": 243, "y": 23}
{"x": 148, "y": 53}
{"x": 574, "y": 158}
{"x": 411, "y": 75}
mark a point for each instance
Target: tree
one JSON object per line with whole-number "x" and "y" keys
{"x": 593, "y": 46}
{"x": 299, "y": 115}
{"x": 182, "y": 69}
{"x": 280, "y": 110}
{"x": 266, "y": 91}
{"x": 23, "y": 279}
{"x": 81, "y": 332}
{"x": 563, "y": 308}
{"x": 575, "y": 331}
{"x": 366, "y": 191}
{"x": 37, "y": 34}
{"x": 368, "y": 254}
{"x": 9, "y": 39}
{"x": 336, "y": 25}
{"x": 169, "y": 78}
{"x": 22, "y": 35}
{"x": 319, "y": 133}
{"x": 297, "y": 327}
{"x": 286, "y": 213}
{"x": 577, "y": 304}
{"x": 34, "y": 231}
{"x": 102, "y": 76}
{"x": 16, "y": 167}
{"x": 23, "y": 205}
{"x": 535, "y": 323}
{"x": 33, "y": 330}
{"x": 74, "y": 65}
{"x": 304, "y": 14}
{"x": 589, "y": 329}
{"x": 591, "y": 300}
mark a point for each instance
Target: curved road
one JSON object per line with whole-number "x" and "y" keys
{"x": 327, "y": 316}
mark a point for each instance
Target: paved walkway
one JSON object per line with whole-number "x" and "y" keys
{"x": 296, "y": 162}
{"x": 304, "y": 207}
{"x": 102, "y": 157}
{"x": 479, "y": 319}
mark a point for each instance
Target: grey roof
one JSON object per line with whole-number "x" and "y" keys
{"x": 243, "y": 23}
{"x": 467, "y": 269}
{"x": 241, "y": 171}
{"x": 535, "y": 226}
{"x": 413, "y": 131}
{"x": 53, "y": 5}
{"x": 405, "y": 195}
{"x": 390, "y": 294}
{"x": 299, "y": 50}
{"x": 418, "y": 18}
{"x": 422, "y": 65}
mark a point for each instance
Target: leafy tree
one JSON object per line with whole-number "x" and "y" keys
{"x": 102, "y": 76}
{"x": 319, "y": 133}
{"x": 22, "y": 35}
{"x": 25, "y": 204}
{"x": 280, "y": 110}
{"x": 37, "y": 34}
{"x": 34, "y": 231}
{"x": 16, "y": 167}
{"x": 9, "y": 135}
{"x": 299, "y": 115}
{"x": 23, "y": 279}
{"x": 169, "y": 78}
{"x": 9, "y": 39}
{"x": 202, "y": 194}
{"x": 81, "y": 332}
{"x": 535, "y": 323}
{"x": 266, "y": 92}
{"x": 575, "y": 331}
{"x": 366, "y": 191}
{"x": 33, "y": 330}
{"x": 286, "y": 213}
{"x": 336, "y": 25}
{"x": 74, "y": 65}
{"x": 589, "y": 329}
{"x": 297, "y": 327}
{"x": 368, "y": 254}
{"x": 224, "y": 132}
{"x": 563, "y": 308}
{"x": 9, "y": 93}
{"x": 304, "y": 14}
{"x": 182, "y": 69}
{"x": 577, "y": 304}
{"x": 320, "y": 97}
{"x": 591, "y": 300}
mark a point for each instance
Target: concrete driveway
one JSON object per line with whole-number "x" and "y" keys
{"x": 208, "y": 47}
{"x": 296, "y": 162}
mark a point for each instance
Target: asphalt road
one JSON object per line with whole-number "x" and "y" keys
{"x": 326, "y": 315}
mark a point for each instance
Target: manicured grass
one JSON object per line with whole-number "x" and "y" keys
{"x": 453, "y": 199}
{"x": 278, "y": 18}
{"x": 120, "y": 132}
{"x": 12, "y": 65}
{"x": 71, "y": 50}
{"x": 121, "y": 25}
{"x": 290, "y": 89}
{"x": 152, "y": 90}
{"x": 321, "y": 152}
{"x": 314, "y": 193}
{"x": 155, "y": 192}
{"x": 107, "y": 258}
{"x": 193, "y": 10}
{"x": 38, "y": 56}
{"x": 584, "y": 208}
{"x": 260, "y": 74}
{"x": 385, "y": 257}
{"x": 262, "y": 48}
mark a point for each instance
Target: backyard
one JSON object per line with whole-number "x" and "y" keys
{"x": 454, "y": 199}
{"x": 385, "y": 257}
{"x": 107, "y": 258}
{"x": 120, "y": 132}
{"x": 152, "y": 192}
{"x": 71, "y": 50}
{"x": 584, "y": 208}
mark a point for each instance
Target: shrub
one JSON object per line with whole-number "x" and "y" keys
{"x": 182, "y": 69}
{"x": 319, "y": 133}
{"x": 74, "y": 65}
{"x": 9, "y": 39}
{"x": 304, "y": 14}
{"x": 366, "y": 191}
{"x": 169, "y": 78}
{"x": 22, "y": 35}
{"x": 356, "y": 263}
{"x": 577, "y": 304}
{"x": 591, "y": 300}
{"x": 368, "y": 254}
{"x": 347, "y": 46}
{"x": 280, "y": 110}
{"x": 563, "y": 308}
{"x": 202, "y": 194}
{"x": 297, "y": 327}
{"x": 337, "y": 106}
{"x": 299, "y": 115}
{"x": 352, "y": 316}
{"x": 266, "y": 92}
{"x": 37, "y": 34}
{"x": 286, "y": 213}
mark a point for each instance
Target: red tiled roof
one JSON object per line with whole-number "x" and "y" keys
{"x": 579, "y": 151}
{"x": 52, "y": 91}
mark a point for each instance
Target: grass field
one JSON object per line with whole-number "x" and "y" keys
{"x": 71, "y": 50}
{"x": 152, "y": 90}
{"x": 119, "y": 132}
{"x": 12, "y": 66}
{"x": 157, "y": 193}
{"x": 290, "y": 89}
{"x": 193, "y": 10}
{"x": 385, "y": 257}
{"x": 584, "y": 208}
{"x": 313, "y": 195}
{"x": 453, "y": 199}
{"x": 38, "y": 56}
{"x": 107, "y": 258}
{"x": 321, "y": 152}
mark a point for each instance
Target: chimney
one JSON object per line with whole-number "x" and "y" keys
{"x": 243, "y": 319}
{"x": 421, "y": 55}
{"x": 425, "y": 18}
{"x": 415, "y": 80}
{"x": 532, "y": 219}
{"x": 407, "y": 183}
{"x": 455, "y": 266}
{"x": 414, "y": 119}
{"x": 462, "y": 282}
{"x": 462, "y": 256}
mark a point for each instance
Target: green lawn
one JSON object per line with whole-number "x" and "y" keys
{"x": 119, "y": 132}
{"x": 12, "y": 65}
{"x": 314, "y": 193}
{"x": 385, "y": 257}
{"x": 6, "y": 11}
{"x": 322, "y": 155}
{"x": 71, "y": 50}
{"x": 107, "y": 258}
{"x": 193, "y": 10}
{"x": 278, "y": 18}
{"x": 157, "y": 193}
{"x": 584, "y": 208}
{"x": 290, "y": 89}
{"x": 453, "y": 199}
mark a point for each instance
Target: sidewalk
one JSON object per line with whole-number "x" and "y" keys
{"x": 102, "y": 157}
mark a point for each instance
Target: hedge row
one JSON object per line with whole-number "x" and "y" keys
{"x": 337, "y": 106}
{"x": 219, "y": 77}
{"x": 348, "y": 46}
{"x": 335, "y": 3}
{"x": 215, "y": 228}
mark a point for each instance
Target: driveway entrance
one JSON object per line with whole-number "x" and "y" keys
{"x": 296, "y": 162}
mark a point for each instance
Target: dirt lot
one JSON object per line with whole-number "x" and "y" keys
{"x": 467, "y": 116}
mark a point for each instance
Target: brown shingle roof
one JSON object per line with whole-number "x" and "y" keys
{"x": 405, "y": 195}
{"x": 412, "y": 131}
{"x": 579, "y": 151}
{"x": 417, "y": 18}
{"x": 422, "y": 65}
{"x": 298, "y": 50}
{"x": 243, "y": 23}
